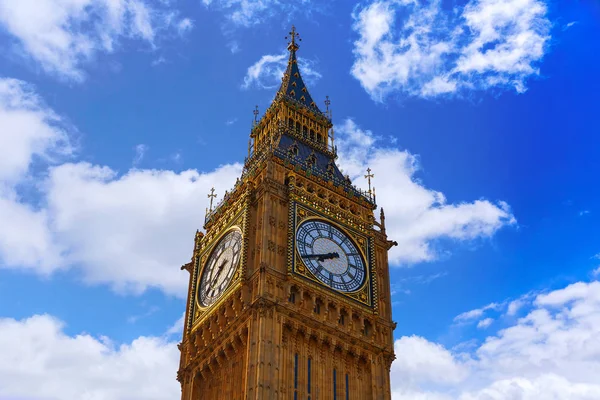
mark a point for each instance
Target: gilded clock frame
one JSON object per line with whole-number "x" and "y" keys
{"x": 205, "y": 263}
{"x": 239, "y": 223}
{"x": 300, "y": 213}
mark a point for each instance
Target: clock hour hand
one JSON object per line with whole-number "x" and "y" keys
{"x": 218, "y": 273}
{"x": 322, "y": 257}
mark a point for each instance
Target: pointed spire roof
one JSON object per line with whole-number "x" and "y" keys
{"x": 292, "y": 85}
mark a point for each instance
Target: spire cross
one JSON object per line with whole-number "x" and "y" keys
{"x": 211, "y": 196}
{"x": 293, "y": 35}
{"x": 255, "y": 112}
{"x": 369, "y": 175}
{"x": 327, "y": 103}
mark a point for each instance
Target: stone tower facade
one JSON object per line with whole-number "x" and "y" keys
{"x": 289, "y": 293}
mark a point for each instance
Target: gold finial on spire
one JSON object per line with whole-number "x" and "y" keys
{"x": 293, "y": 35}
{"x": 369, "y": 175}
{"x": 211, "y": 196}
{"x": 255, "y": 112}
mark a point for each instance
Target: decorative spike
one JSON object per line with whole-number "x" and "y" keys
{"x": 369, "y": 175}
{"x": 211, "y": 196}
{"x": 255, "y": 112}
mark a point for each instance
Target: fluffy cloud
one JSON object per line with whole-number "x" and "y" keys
{"x": 485, "y": 323}
{"x": 246, "y": 13}
{"x": 133, "y": 230}
{"x": 30, "y": 132}
{"x": 130, "y": 230}
{"x": 551, "y": 353}
{"x": 266, "y": 73}
{"x": 415, "y": 215}
{"x": 37, "y": 350}
{"x": 434, "y": 51}
{"x": 63, "y": 35}
{"x": 476, "y": 313}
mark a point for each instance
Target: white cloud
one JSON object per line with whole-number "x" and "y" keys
{"x": 64, "y": 35}
{"x": 266, "y": 73}
{"x": 514, "y": 307}
{"x": 551, "y": 353}
{"x": 140, "y": 152}
{"x": 419, "y": 360}
{"x": 485, "y": 323}
{"x": 129, "y": 230}
{"x": 38, "y": 350}
{"x": 247, "y": 13}
{"x": 177, "y": 327}
{"x": 185, "y": 25}
{"x": 570, "y": 25}
{"x": 476, "y": 313}
{"x": 29, "y": 130}
{"x": 433, "y": 51}
{"x": 415, "y": 216}
{"x": 596, "y": 272}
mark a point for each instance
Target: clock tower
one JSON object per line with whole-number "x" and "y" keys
{"x": 289, "y": 292}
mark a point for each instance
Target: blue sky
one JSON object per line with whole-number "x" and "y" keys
{"x": 479, "y": 119}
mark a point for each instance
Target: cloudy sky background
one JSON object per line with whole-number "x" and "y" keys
{"x": 478, "y": 118}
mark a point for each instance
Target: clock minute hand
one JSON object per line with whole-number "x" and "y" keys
{"x": 322, "y": 257}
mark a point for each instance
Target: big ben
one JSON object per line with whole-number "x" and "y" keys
{"x": 289, "y": 292}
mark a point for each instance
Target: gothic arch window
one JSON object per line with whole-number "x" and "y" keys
{"x": 296, "y": 376}
{"x": 367, "y": 328}
{"x": 347, "y": 388}
{"x": 312, "y": 135}
{"x": 293, "y": 293}
{"x": 334, "y": 384}
{"x": 317, "y": 309}
{"x": 308, "y": 377}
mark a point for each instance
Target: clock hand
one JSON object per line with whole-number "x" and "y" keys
{"x": 322, "y": 257}
{"x": 218, "y": 273}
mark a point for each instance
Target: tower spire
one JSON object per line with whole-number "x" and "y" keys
{"x": 292, "y": 86}
{"x": 293, "y": 35}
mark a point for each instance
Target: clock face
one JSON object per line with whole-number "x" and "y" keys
{"x": 220, "y": 267}
{"x": 330, "y": 255}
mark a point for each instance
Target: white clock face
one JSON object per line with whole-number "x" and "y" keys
{"x": 219, "y": 268}
{"x": 330, "y": 255}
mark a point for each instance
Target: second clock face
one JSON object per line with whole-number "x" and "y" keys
{"x": 331, "y": 255}
{"x": 219, "y": 268}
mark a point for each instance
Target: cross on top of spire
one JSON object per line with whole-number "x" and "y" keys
{"x": 293, "y": 35}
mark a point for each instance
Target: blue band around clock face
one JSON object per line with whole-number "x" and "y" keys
{"x": 330, "y": 255}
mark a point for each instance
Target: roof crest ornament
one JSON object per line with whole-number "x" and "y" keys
{"x": 293, "y": 35}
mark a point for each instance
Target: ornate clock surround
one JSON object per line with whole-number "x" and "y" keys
{"x": 300, "y": 213}
{"x": 237, "y": 219}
